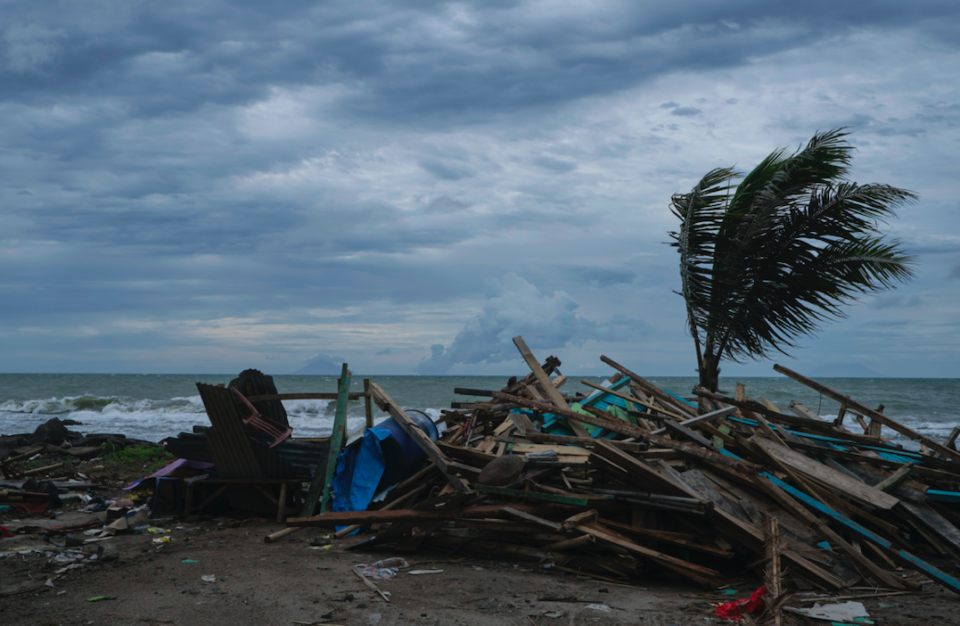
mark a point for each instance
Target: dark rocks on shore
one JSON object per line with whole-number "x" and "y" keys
{"x": 54, "y": 436}
{"x": 54, "y": 432}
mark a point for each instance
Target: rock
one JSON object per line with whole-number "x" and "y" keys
{"x": 52, "y": 431}
{"x": 501, "y": 471}
{"x": 107, "y": 553}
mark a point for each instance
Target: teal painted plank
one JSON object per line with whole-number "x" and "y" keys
{"x": 943, "y": 578}
{"x": 942, "y": 496}
{"x": 336, "y": 437}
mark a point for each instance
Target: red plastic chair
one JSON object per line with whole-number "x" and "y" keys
{"x": 257, "y": 421}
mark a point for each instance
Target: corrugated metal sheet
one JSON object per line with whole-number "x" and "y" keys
{"x": 302, "y": 457}
{"x": 231, "y": 448}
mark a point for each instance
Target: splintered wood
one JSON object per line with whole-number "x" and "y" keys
{"x": 635, "y": 482}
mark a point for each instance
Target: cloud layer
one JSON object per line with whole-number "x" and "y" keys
{"x": 208, "y": 186}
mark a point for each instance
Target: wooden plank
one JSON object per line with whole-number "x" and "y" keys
{"x": 667, "y": 537}
{"x": 536, "y": 495}
{"x": 815, "y": 426}
{"x": 936, "y": 523}
{"x": 868, "y": 412}
{"x": 354, "y": 395}
{"x": 891, "y": 482}
{"x": 367, "y": 403}
{"x": 901, "y": 556}
{"x": 772, "y": 575}
{"x": 584, "y": 442}
{"x": 546, "y": 384}
{"x": 663, "y": 397}
{"x": 701, "y": 419}
{"x": 630, "y": 431}
{"x": 696, "y": 573}
{"x": 951, "y": 440}
{"x": 624, "y": 396}
{"x": 866, "y": 566}
{"x": 386, "y": 403}
{"x": 531, "y": 518}
{"x": 831, "y": 478}
{"x": 803, "y": 411}
{"x": 340, "y": 518}
{"x": 319, "y": 491}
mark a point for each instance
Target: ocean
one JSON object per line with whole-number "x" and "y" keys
{"x": 152, "y": 407}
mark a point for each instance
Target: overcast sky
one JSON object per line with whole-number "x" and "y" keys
{"x": 203, "y": 186}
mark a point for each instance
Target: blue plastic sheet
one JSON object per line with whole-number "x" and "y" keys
{"x": 359, "y": 470}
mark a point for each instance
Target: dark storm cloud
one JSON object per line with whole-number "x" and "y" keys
{"x": 203, "y": 160}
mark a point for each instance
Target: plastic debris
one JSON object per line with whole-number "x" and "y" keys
{"x": 382, "y": 570}
{"x": 735, "y": 610}
{"x": 843, "y": 612}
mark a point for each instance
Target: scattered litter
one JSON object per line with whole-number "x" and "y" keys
{"x": 418, "y": 572}
{"x": 846, "y": 612}
{"x": 189, "y": 561}
{"x": 99, "y": 598}
{"x": 209, "y": 578}
{"x": 382, "y": 570}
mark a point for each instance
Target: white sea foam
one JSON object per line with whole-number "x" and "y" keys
{"x": 153, "y": 420}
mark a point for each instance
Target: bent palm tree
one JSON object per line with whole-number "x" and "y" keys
{"x": 763, "y": 262}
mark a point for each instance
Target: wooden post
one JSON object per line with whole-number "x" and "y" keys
{"x": 320, "y": 486}
{"x": 368, "y": 402}
{"x": 547, "y": 385}
{"x": 839, "y": 421}
{"x": 951, "y": 441}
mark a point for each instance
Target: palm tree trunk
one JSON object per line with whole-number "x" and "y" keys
{"x": 710, "y": 367}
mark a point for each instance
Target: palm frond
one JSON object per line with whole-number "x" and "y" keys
{"x": 793, "y": 243}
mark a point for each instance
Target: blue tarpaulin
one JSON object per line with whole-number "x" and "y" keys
{"x": 359, "y": 470}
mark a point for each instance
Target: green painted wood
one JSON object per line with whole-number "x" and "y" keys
{"x": 323, "y": 477}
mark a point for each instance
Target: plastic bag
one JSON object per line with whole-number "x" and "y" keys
{"x": 735, "y": 610}
{"x": 381, "y": 570}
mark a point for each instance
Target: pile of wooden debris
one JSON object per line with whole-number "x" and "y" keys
{"x": 633, "y": 481}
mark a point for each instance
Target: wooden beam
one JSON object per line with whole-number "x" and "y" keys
{"x": 368, "y": 403}
{"x": 355, "y": 395}
{"x": 706, "y": 417}
{"x": 320, "y": 485}
{"x": 871, "y": 413}
{"x": 630, "y": 431}
{"x": 446, "y": 467}
{"x": 820, "y": 473}
{"x": 891, "y": 482}
{"x": 650, "y": 388}
{"x": 546, "y": 384}
{"x": 335, "y": 518}
{"x": 624, "y": 396}
{"x": 901, "y": 556}
{"x": 867, "y": 567}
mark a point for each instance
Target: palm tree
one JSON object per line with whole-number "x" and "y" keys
{"x": 764, "y": 262}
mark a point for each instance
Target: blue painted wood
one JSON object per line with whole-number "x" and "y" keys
{"x": 943, "y": 578}
{"x": 942, "y": 496}
{"x": 592, "y": 398}
{"x": 685, "y": 401}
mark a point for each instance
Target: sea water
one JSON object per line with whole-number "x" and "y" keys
{"x": 153, "y": 407}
